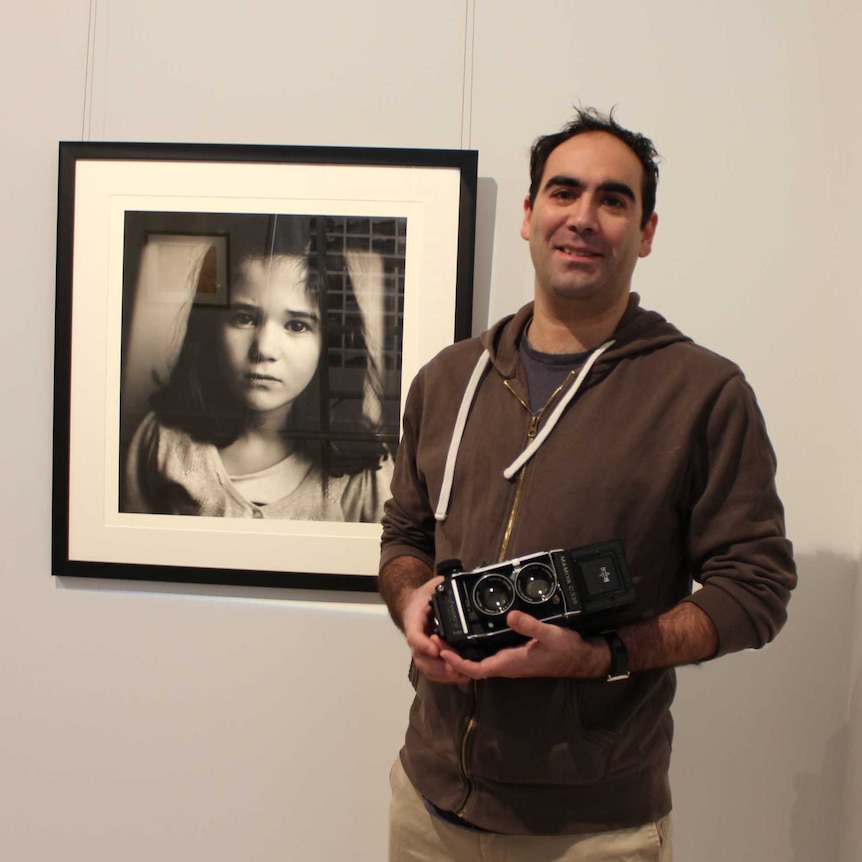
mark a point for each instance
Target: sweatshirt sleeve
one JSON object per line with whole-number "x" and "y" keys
{"x": 738, "y": 547}
{"x": 408, "y": 519}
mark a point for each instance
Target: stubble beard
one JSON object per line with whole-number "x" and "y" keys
{"x": 574, "y": 286}
{"x": 564, "y": 296}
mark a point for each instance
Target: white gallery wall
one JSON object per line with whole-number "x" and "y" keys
{"x": 146, "y": 721}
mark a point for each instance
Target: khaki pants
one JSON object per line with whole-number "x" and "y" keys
{"x": 417, "y": 836}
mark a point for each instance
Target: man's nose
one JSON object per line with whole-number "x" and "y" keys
{"x": 582, "y": 214}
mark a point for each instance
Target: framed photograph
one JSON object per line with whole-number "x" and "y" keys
{"x": 236, "y": 331}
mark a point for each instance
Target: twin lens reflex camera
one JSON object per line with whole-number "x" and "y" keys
{"x": 579, "y": 589}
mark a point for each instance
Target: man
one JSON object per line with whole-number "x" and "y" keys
{"x": 560, "y": 748}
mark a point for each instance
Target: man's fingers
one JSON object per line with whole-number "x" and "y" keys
{"x": 421, "y": 644}
{"x": 438, "y": 670}
{"x": 526, "y": 625}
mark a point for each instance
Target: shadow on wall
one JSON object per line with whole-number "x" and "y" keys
{"x": 852, "y": 825}
{"x": 486, "y": 219}
{"x": 820, "y": 792}
{"x": 761, "y": 741}
{"x": 814, "y": 809}
{"x": 333, "y": 600}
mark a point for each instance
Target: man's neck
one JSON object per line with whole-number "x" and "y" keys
{"x": 572, "y": 328}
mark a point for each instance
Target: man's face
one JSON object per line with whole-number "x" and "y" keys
{"x": 584, "y": 225}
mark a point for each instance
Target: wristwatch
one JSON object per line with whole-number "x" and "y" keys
{"x": 619, "y": 658}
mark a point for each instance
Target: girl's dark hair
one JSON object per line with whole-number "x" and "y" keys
{"x": 195, "y": 398}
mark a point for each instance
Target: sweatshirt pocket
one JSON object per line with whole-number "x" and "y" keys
{"x": 631, "y": 716}
{"x": 531, "y": 733}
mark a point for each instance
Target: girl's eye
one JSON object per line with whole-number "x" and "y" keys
{"x": 242, "y": 319}
{"x": 297, "y": 325}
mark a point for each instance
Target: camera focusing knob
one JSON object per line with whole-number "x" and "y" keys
{"x": 449, "y": 567}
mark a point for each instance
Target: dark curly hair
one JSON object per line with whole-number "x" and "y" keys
{"x": 591, "y": 120}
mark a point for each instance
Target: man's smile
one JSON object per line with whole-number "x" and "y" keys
{"x": 578, "y": 251}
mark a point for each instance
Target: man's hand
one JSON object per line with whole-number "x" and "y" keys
{"x": 680, "y": 636}
{"x": 551, "y": 652}
{"x": 406, "y": 584}
{"x": 426, "y": 647}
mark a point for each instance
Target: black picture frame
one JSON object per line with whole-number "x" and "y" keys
{"x": 420, "y": 202}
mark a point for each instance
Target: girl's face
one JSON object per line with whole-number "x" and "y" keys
{"x": 270, "y": 335}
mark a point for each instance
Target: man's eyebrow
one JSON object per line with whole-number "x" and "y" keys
{"x": 620, "y": 189}
{"x": 574, "y": 183}
{"x": 565, "y": 181}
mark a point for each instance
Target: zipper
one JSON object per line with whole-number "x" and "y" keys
{"x": 472, "y": 721}
{"x": 510, "y": 524}
{"x": 465, "y": 741}
{"x": 535, "y": 419}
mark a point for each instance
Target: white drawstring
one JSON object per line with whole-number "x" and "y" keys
{"x": 457, "y": 434}
{"x": 540, "y": 438}
{"x": 464, "y": 411}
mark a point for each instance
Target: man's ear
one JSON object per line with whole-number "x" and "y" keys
{"x": 525, "y": 225}
{"x": 647, "y": 235}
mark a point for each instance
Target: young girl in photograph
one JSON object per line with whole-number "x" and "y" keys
{"x": 236, "y": 431}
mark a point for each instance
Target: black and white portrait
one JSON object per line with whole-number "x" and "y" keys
{"x": 237, "y": 326}
{"x": 261, "y": 364}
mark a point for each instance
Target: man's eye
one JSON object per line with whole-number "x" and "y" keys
{"x": 615, "y": 202}
{"x": 563, "y": 194}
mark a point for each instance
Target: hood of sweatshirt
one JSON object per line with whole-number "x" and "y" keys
{"x": 638, "y": 331}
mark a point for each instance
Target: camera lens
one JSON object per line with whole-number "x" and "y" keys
{"x": 493, "y": 595}
{"x": 535, "y": 583}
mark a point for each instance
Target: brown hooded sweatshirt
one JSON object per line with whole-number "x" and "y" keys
{"x": 661, "y": 446}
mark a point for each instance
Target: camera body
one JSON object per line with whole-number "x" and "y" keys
{"x": 579, "y": 589}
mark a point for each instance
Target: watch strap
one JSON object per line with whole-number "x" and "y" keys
{"x": 619, "y": 669}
